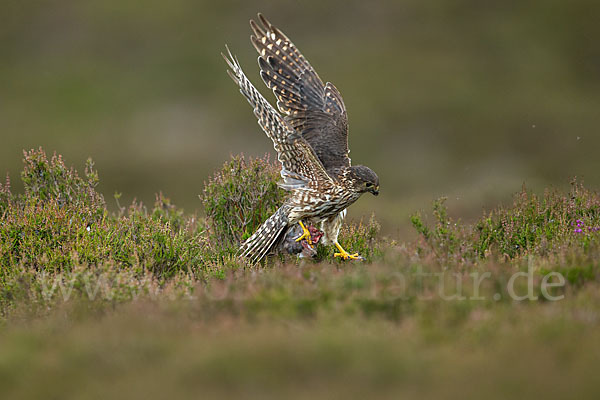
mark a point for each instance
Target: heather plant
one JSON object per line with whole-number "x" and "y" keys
{"x": 166, "y": 212}
{"x": 47, "y": 180}
{"x": 61, "y": 222}
{"x": 447, "y": 240}
{"x": 238, "y": 199}
{"x": 5, "y": 195}
{"x": 540, "y": 226}
{"x": 557, "y": 224}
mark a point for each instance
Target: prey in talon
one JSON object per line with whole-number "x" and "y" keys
{"x": 294, "y": 244}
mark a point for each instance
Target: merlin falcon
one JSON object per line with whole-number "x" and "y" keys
{"x": 310, "y": 136}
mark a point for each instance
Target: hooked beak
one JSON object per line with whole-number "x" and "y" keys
{"x": 375, "y": 191}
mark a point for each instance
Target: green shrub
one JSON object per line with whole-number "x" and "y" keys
{"x": 448, "y": 239}
{"x": 538, "y": 226}
{"x": 47, "y": 180}
{"x": 555, "y": 224}
{"x": 165, "y": 212}
{"x": 61, "y": 222}
{"x": 238, "y": 199}
{"x": 6, "y": 196}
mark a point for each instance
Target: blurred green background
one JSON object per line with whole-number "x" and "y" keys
{"x": 467, "y": 99}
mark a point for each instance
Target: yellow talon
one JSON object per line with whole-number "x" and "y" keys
{"x": 305, "y": 235}
{"x": 345, "y": 255}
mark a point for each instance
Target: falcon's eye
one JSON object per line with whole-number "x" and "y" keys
{"x": 368, "y": 184}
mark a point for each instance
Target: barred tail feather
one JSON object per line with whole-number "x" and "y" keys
{"x": 257, "y": 246}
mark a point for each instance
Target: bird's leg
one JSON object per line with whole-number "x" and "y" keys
{"x": 345, "y": 255}
{"x": 305, "y": 234}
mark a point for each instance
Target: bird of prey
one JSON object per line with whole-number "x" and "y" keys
{"x": 311, "y": 141}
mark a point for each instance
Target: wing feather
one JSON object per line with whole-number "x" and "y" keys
{"x": 300, "y": 166}
{"x": 314, "y": 109}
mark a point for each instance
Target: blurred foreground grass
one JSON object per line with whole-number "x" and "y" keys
{"x": 161, "y": 349}
{"x": 146, "y": 303}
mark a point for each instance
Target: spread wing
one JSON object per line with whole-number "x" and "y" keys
{"x": 314, "y": 109}
{"x": 300, "y": 165}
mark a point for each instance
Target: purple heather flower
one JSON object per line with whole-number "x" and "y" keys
{"x": 578, "y": 230}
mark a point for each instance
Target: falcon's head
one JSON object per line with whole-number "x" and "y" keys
{"x": 364, "y": 179}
